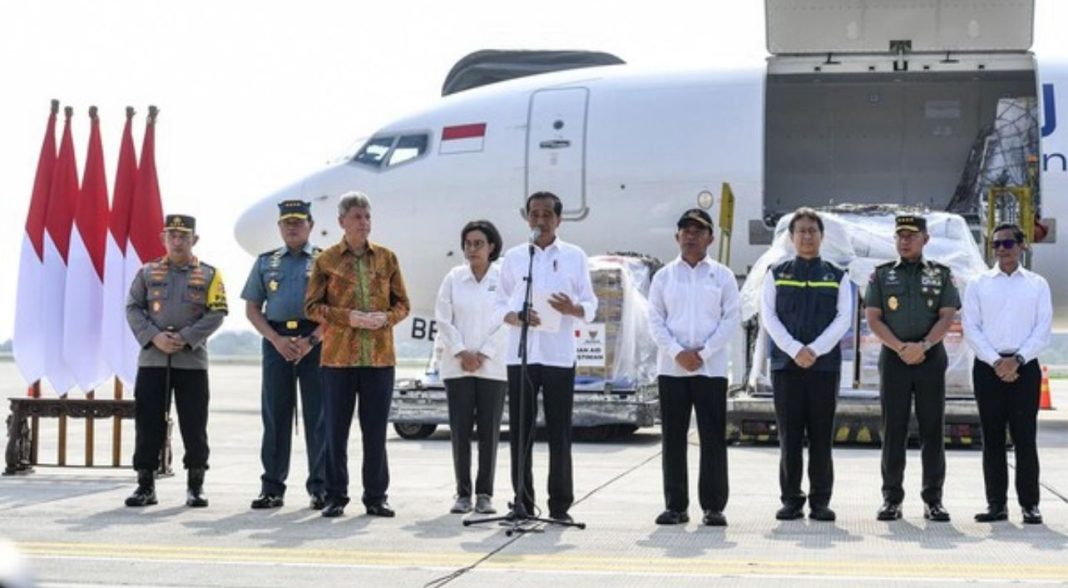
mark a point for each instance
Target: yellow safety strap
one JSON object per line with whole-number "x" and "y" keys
{"x": 799, "y": 284}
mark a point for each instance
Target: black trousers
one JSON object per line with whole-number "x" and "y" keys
{"x": 805, "y": 402}
{"x": 1014, "y": 405}
{"x": 277, "y": 403}
{"x": 191, "y": 401}
{"x": 374, "y": 387}
{"x": 474, "y": 400}
{"x": 557, "y": 386}
{"x": 897, "y": 386}
{"x": 679, "y": 398}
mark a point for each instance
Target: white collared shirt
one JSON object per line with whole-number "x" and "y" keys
{"x": 694, "y": 308}
{"x": 822, "y": 344}
{"x": 464, "y": 316}
{"x": 560, "y": 267}
{"x": 1007, "y": 314}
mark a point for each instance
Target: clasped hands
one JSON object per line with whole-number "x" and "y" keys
{"x": 367, "y": 320}
{"x": 1007, "y": 368}
{"x": 168, "y": 342}
{"x": 471, "y": 361}
{"x": 293, "y": 349}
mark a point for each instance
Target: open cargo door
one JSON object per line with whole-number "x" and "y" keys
{"x": 798, "y": 27}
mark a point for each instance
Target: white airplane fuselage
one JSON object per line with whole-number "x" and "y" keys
{"x": 628, "y": 151}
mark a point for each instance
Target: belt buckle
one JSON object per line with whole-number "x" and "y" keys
{"x": 292, "y": 324}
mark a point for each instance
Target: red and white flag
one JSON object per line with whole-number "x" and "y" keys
{"x": 28, "y": 341}
{"x": 61, "y": 201}
{"x": 146, "y": 217}
{"x": 83, "y": 349}
{"x": 120, "y": 265}
{"x": 467, "y": 138}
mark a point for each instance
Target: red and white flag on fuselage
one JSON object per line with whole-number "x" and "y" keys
{"x": 29, "y": 348}
{"x": 58, "y": 220}
{"x": 83, "y": 349}
{"x": 120, "y": 264}
{"x": 467, "y": 138}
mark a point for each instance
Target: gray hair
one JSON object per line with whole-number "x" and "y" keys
{"x": 350, "y": 200}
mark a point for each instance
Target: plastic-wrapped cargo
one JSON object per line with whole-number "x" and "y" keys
{"x": 616, "y": 349}
{"x": 858, "y": 239}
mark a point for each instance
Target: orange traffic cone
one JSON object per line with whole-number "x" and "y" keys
{"x": 1044, "y": 402}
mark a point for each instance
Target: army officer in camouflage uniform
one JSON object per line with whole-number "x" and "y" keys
{"x": 175, "y": 303}
{"x": 911, "y": 303}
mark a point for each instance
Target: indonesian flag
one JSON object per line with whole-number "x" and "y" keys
{"x": 83, "y": 304}
{"x": 120, "y": 265}
{"x": 462, "y": 138}
{"x": 29, "y": 348}
{"x": 146, "y": 215}
{"x": 61, "y": 201}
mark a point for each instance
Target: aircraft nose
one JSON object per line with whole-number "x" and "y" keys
{"x": 255, "y": 229}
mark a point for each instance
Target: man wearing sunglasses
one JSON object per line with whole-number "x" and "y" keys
{"x": 910, "y": 304}
{"x": 1007, "y": 319}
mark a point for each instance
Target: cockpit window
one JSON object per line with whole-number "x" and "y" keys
{"x": 408, "y": 148}
{"x": 374, "y": 152}
{"x": 390, "y": 151}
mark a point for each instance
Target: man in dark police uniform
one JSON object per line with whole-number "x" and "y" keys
{"x": 274, "y": 304}
{"x": 910, "y": 304}
{"x": 176, "y": 302}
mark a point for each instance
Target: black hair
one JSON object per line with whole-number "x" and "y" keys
{"x": 810, "y": 214}
{"x": 558, "y": 206}
{"x": 492, "y": 235}
{"x": 1017, "y": 232}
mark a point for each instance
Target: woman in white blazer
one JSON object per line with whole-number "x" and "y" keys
{"x": 471, "y": 362}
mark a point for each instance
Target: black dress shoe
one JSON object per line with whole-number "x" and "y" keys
{"x": 714, "y": 518}
{"x": 672, "y": 517}
{"x": 333, "y": 510}
{"x": 934, "y": 511}
{"x": 790, "y": 512}
{"x": 318, "y": 502}
{"x": 822, "y": 513}
{"x": 562, "y": 517}
{"x": 891, "y": 511}
{"x": 381, "y": 509}
{"x": 994, "y": 512}
{"x": 267, "y": 501}
{"x": 142, "y": 496}
{"x": 1031, "y": 515}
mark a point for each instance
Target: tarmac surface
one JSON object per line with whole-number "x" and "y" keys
{"x": 73, "y": 530}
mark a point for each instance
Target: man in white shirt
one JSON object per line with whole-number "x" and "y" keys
{"x": 562, "y": 295}
{"x": 805, "y": 309}
{"x": 694, "y": 309}
{"x": 1007, "y": 319}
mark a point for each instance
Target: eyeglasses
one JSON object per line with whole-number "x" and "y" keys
{"x": 474, "y": 244}
{"x": 1006, "y": 243}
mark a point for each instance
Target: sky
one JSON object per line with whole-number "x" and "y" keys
{"x": 255, "y": 95}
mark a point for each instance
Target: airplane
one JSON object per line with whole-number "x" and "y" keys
{"x": 855, "y": 104}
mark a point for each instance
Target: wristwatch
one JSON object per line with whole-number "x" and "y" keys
{"x": 1019, "y": 359}
{"x": 927, "y": 345}
{"x": 313, "y": 340}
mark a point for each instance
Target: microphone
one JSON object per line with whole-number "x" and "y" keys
{"x": 534, "y": 234}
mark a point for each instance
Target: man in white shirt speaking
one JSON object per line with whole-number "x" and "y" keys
{"x": 694, "y": 309}
{"x": 805, "y": 308}
{"x": 1007, "y": 318}
{"x": 562, "y": 295}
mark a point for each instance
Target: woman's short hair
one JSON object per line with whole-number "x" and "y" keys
{"x": 350, "y": 200}
{"x": 492, "y": 236}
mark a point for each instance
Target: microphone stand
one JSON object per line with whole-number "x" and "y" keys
{"x": 519, "y": 520}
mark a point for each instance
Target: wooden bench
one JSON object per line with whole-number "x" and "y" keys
{"x": 23, "y": 430}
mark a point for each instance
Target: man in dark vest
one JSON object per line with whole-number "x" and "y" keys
{"x": 806, "y": 307}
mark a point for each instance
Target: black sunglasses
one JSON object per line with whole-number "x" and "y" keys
{"x": 1006, "y": 243}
